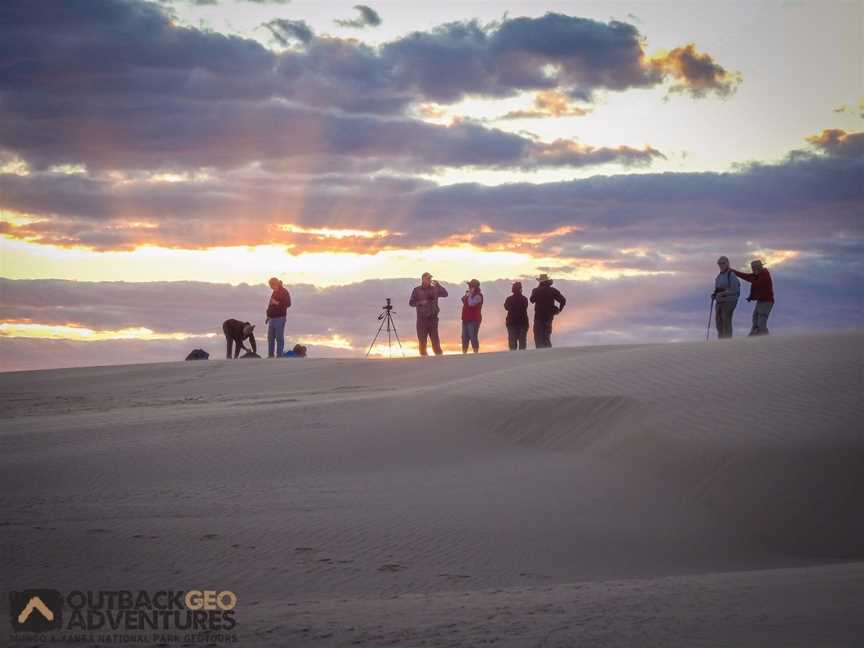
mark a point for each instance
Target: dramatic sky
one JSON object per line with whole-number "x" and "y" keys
{"x": 159, "y": 161}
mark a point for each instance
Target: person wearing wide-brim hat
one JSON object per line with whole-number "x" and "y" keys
{"x": 425, "y": 299}
{"x": 548, "y": 302}
{"x": 472, "y": 304}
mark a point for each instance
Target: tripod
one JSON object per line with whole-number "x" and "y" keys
{"x": 386, "y": 319}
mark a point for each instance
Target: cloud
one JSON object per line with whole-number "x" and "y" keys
{"x": 231, "y": 134}
{"x": 550, "y": 103}
{"x": 790, "y": 204}
{"x": 838, "y": 142}
{"x": 197, "y": 3}
{"x": 696, "y": 74}
{"x": 286, "y": 30}
{"x": 94, "y": 71}
{"x": 852, "y": 110}
{"x": 368, "y": 18}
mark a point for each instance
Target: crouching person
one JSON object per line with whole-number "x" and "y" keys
{"x": 235, "y": 332}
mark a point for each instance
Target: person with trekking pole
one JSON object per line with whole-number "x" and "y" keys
{"x": 727, "y": 288}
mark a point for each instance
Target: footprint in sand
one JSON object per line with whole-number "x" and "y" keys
{"x": 305, "y": 549}
{"x": 455, "y": 576}
{"x": 209, "y": 536}
{"x": 391, "y": 567}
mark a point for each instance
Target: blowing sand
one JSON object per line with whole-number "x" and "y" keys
{"x": 688, "y": 494}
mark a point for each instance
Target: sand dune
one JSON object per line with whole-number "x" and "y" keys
{"x": 548, "y": 496}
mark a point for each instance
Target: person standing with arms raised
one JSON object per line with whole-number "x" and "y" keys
{"x": 762, "y": 292}
{"x": 425, "y": 299}
{"x": 472, "y": 304}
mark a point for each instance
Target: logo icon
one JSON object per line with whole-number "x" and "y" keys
{"x": 36, "y": 610}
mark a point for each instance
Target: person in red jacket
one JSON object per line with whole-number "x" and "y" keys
{"x": 762, "y": 292}
{"x": 472, "y": 303}
{"x": 277, "y": 310}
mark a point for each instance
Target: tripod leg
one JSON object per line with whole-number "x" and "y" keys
{"x": 375, "y": 338}
{"x": 398, "y": 341}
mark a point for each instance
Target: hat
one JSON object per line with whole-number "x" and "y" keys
{"x": 474, "y": 283}
{"x": 543, "y": 277}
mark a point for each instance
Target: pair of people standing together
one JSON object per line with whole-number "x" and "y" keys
{"x": 548, "y": 302}
{"x": 727, "y": 290}
{"x": 236, "y": 331}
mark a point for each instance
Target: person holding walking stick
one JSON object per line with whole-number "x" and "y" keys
{"x": 727, "y": 288}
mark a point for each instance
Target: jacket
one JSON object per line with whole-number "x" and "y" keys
{"x": 544, "y": 297}
{"x": 425, "y": 300}
{"x": 517, "y": 310}
{"x": 472, "y": 306}
{"x": 280, "y": 309}
{"x": 233, "y": 329}
{"x": 729, "y": 282}
{"x": 761, "y": 286}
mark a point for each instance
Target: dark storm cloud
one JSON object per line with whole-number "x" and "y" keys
{"x": 368, "y": 18}
{"x": 117, "y": 84}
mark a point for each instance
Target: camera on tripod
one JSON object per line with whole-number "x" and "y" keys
{"x": 386, "y": 319}
{"x": 387, "y": 307}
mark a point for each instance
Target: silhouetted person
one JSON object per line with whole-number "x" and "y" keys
{"x": 425, "y": 299}
{"x": 472, "y": 304}
{"x": 235, "y": 332}
{"x": 545, "y": 297}
{"x": 516, "y": 306}
{"x": 277, "y": 310}
{"x": 727, "y": 288}
{"x": 762, "y": 292}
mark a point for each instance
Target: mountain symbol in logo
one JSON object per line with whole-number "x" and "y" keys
{"x": 35, "y": 605}
{"x": 36, "y": 610}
